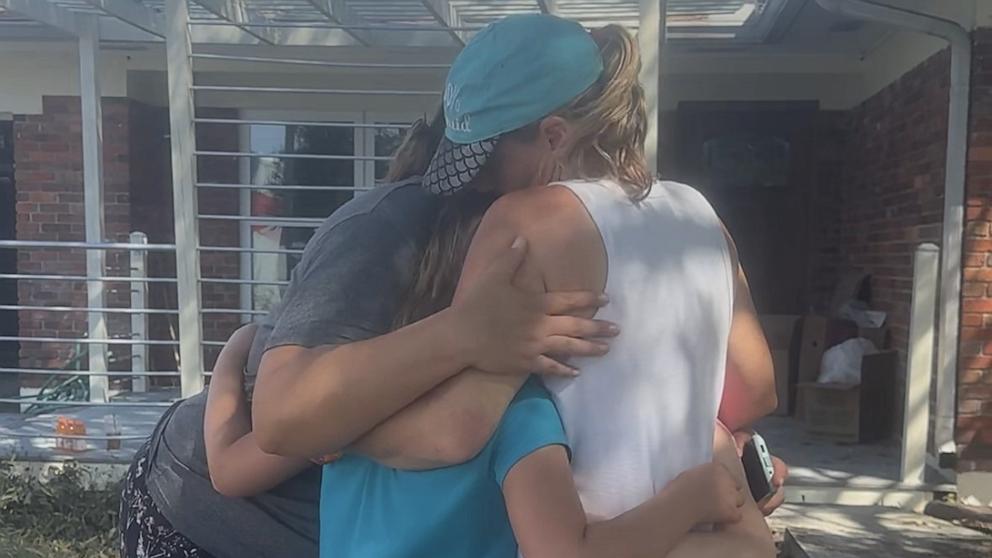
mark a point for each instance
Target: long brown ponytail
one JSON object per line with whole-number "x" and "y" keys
{"x": 414, "y": 155}
{"x": 441, "y": 263}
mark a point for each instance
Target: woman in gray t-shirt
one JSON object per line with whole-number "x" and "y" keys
{"x": 348, "y": 287}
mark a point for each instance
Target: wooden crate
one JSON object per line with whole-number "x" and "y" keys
{"x": 852, "y": 413}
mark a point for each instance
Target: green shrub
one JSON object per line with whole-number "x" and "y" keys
{"x": 60, "y": 517}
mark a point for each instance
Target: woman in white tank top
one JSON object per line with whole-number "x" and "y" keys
{"x": 639, "y": 421}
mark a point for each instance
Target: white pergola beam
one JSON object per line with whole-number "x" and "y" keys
{"x": 447, "y": 16}
{"x": 548, "y": 6}
{"x": 237, "y": 13}
{"x": 92, "y": 132}
{"x": 339, "y": 13}
{"x": 132, "y": 13}
{"x": 44, "y": 12}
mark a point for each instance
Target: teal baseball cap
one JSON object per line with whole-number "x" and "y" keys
{"x": 512, "y": 73}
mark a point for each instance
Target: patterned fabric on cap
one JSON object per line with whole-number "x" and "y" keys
{"x": 454, "y": 166}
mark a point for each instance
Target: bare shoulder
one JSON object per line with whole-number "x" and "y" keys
{"x": 549, "y": 210}
{"x": 564, "y": 242}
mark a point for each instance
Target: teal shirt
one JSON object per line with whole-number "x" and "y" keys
{"x": 371, "y": 511}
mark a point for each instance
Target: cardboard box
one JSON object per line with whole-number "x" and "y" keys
{"x": 852, "y": 413}
{"x": 782, "y": 333}
{"x": 820, "y": 333}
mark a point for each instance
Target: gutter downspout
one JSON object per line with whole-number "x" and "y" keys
{"x": 949, "y": 310}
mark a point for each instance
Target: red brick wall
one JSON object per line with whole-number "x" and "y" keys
{"x": 216, "y": 201}
{"x": 49, "y": 185}
{"x": 974, "y": 422}
{"x": 887, "y": 197}
{"x": 138, "y": 197}
{"x": 153, "y": 214}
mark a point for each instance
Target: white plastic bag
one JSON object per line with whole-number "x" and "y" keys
{"x": 842, "y": 363}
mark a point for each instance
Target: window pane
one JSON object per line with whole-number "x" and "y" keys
{"x": 313, "y": 204}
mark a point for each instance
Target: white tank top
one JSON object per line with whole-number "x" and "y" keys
{"x": 645, "y": 412}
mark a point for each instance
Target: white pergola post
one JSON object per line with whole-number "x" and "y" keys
{"x": 919, "y": 373}
{"x": 92, "y": 130}
{"x": 183, "y": 139}
{"x": 651, "y": 39}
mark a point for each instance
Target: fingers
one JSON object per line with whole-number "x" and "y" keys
{"x": 507, "y": 264}
{"x": 548, "y": 366}
{"x": 772, "y": 502}
{"x": 581, "y": 327}
{"x": 565, "y": 347}
{"x": 741, "y": 438}
{"x": 568, "y": 302}
{"x": 781, "y": 472}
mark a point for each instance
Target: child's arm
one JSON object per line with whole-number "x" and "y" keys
{"x": 237, "y": 466}
{"x": 548, "y": 519}
{"x": 747, "y": 538}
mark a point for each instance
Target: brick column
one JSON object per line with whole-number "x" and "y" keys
{"x": 974, "y": 420}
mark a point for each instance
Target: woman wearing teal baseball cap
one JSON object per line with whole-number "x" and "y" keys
{"x": 521, "y": 115}
{"x": 555, "y": 127}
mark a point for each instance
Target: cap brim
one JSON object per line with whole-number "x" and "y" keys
{"x": 455, "y": 165}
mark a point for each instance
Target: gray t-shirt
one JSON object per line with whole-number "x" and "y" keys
{"x": 347, "y": 287}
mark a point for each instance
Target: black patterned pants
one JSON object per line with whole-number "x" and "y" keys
{"x": 144, "y": 531}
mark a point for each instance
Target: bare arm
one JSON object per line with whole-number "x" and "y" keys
{"x": 238, "y": 467}
{"x": 548, "y": 520}
{"x": 341, "y": 393}
{"x": 747, "y": 538}
{"x": 749, "y": 388}
{"x": 467, "y": 407}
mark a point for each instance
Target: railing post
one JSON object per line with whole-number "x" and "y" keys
{"x": 139, "y": 321}
{"x": 92, "y": 132}
{"x": 183, "y": 140}
{"x": 919, "y": 372}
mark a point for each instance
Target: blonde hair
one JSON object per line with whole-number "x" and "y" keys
{"x": 609, "y": 120}
{"x": 609, "y": 123}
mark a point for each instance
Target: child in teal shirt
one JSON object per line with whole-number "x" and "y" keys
{"x": 369, "y": 510}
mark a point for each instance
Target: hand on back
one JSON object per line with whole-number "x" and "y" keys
{"x": 510, "y": 330}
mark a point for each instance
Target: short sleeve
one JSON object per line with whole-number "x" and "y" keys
{"x": 349, "y": 285}
{"x": 530, "y": 423}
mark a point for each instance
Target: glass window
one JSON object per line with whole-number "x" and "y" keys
{"x": 293, "y": 203}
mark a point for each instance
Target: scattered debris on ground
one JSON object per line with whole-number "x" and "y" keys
{"x": 58, "y": 518}
{"x": 978, "y": 518}
{"x": 822, "y": 531}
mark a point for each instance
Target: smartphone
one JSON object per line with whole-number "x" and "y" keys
{"x": 758, "y": 467}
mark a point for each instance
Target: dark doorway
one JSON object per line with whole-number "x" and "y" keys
{"x": 752, "y": 161}
{"x": 9, "y": 385}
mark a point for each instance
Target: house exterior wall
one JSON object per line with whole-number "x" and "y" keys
{"x": 49, "y": 192}
{"x": 887, "y": 197}
{"x": 974, "y": 420}
{"x": 878, "y": 190}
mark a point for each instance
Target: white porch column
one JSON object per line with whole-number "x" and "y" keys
{"x": 919, "y": 373}
{"x": 92, "y": 130}
{"x": 651, "y": 40}
{"x": 183, "y": 138}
